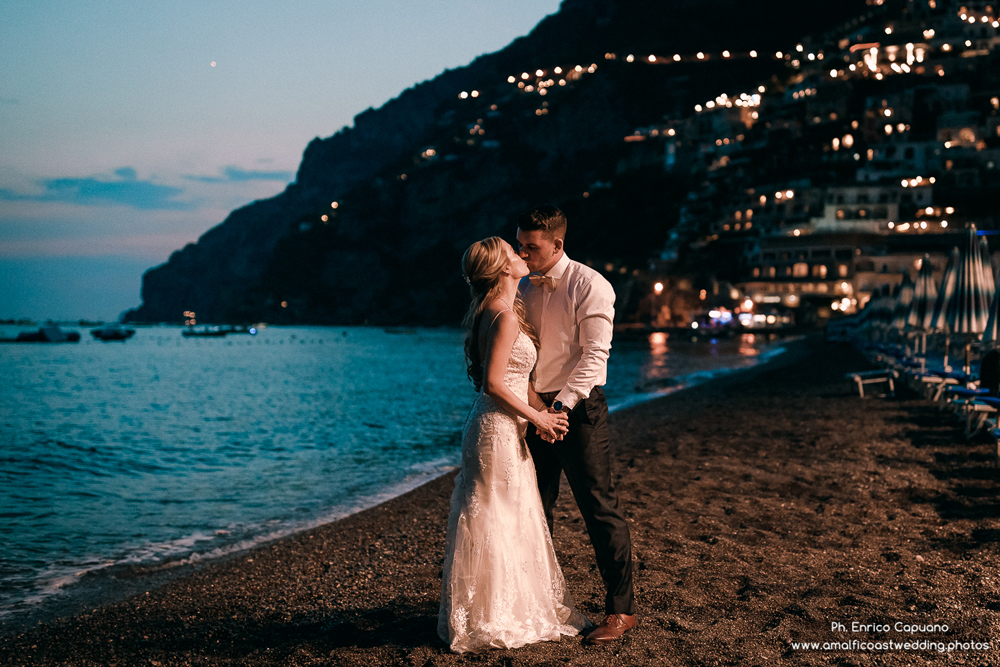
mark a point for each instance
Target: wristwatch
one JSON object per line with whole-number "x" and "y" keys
{"x": 559, "y": 407}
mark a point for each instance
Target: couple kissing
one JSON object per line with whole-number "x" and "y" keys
{"x": 538, "y": 337}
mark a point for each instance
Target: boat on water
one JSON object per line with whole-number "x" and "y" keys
{"x": 205, "y": 332}
{"x": 244, "y": 329}
{"x": 219, "y": 331}
{"x": 112, "y": 332}
{"x": 48, "y": 334}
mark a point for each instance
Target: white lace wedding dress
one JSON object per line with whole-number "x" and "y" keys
{"x": 502, "y": 587}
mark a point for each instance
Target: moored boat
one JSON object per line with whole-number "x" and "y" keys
{"x": 112, "y": 332}
{"x": 47, "y": 334}
{"x": 206, "y": 331}
{"x": 243, "y": 329}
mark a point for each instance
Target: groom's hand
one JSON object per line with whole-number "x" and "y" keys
{"x": 544, "y": 436}
{"x": 559, "y": 412}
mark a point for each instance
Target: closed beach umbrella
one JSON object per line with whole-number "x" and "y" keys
{"x": 963, "y": 302}
{"x": 970, "y": 304}
{"x": 984, "y": 253}
{"x": 901, "y": 309}
{"x": 990, "y": 335}
{"x": 867, "y": 317}
{"x": 945, "y": 292}
{"x": 922, "y": 306}
{"x": 924, "y": 296}
{"x": 887, "y": 304}
{"x": 884, "y": 304}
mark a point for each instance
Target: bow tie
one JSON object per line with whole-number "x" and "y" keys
{"x": 539, "y": 280}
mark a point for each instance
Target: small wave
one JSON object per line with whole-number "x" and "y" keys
{"x": 423, "y": 473}
{"x": 197, "y": 548}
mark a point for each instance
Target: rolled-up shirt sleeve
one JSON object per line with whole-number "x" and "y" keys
{"x": 595, "y": 317}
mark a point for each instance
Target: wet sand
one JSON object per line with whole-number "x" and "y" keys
{"x": 763, "y": 507}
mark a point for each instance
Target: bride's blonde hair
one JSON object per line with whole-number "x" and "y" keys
{"x": 483, "y": 265}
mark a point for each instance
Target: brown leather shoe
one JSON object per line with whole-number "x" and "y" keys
{"x": 613, "y": 627}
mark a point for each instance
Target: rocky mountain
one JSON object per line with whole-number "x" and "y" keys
{"x": 373, "y": 228}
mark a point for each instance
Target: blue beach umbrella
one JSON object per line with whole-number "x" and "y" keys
{"x": 922, "y": 307}
{"x": 965, "y": 307}
{"x": 945, "y": 292}
{"x": 969, "y": 308}
{"x": 887, "y": 304}
{"x": 988, "y": 270}
{"x": 884, "y": 304}
{"x": 904, "y": 300}
{"x": 991, "y": 336}
{"x": 924, "y": 296}
{"x": 867, "y": 318}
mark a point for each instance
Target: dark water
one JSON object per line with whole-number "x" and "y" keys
{"x": 163, "y": 450}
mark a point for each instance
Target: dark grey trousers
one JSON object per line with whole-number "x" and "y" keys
{"x": 583, "y": 454}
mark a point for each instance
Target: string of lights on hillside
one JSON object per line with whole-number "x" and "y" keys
{"x": 972, "y": 18}
{"x": 858, "y": 60}
{"x": 868, "y": 65}
{"x": 862, "y": 60}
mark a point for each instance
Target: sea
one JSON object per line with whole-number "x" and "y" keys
{"x": 164, "y": 451}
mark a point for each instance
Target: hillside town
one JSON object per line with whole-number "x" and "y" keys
{"x": 899, "y": 123}
{"x": 892, "y": 122}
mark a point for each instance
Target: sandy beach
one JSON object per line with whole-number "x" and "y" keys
{"x": 764, "y": 507}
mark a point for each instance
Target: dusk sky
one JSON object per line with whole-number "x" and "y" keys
{"x": 128, "y": 129}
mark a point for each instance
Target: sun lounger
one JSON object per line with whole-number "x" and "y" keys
{"x": 965, "y": 388}
{"x": 995, "y": 432}
{"x": 874, "y": 377}
{"x": 936, "y": 382}
{"x": 977, "y": 411}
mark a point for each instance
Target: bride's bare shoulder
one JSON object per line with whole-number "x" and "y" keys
{"x": 497, "y": 315}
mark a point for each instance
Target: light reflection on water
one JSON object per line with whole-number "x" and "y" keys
{"x": 665, "y": 362}
{"x": 164, "y": 449}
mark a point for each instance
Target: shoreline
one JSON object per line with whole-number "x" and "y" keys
{"x": 764, "y": 506}
{"x": 97, "y": 585}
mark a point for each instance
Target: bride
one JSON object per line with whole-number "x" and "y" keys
{"x": 502, "y": 585}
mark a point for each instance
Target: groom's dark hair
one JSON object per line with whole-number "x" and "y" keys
{"x": 547, "y": 218}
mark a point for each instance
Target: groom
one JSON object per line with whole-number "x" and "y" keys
{"x": 571, "y": 308}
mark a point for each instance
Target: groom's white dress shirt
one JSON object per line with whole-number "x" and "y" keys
{"x": 573, "y": 317}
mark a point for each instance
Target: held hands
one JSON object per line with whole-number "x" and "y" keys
{"x": 551, "y": 425}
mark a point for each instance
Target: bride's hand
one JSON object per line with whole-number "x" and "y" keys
{"x": 552, "y": 425}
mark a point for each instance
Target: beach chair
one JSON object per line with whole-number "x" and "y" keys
{"x": 978, "y": 410}
{"x": 983, "y": 416}
{"x": 995, "y": 432}
{"x": 886, "y": 375}
{"x": 937, "y": 382}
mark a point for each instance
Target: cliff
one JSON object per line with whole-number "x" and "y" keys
{"x": 418, "y": 179}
